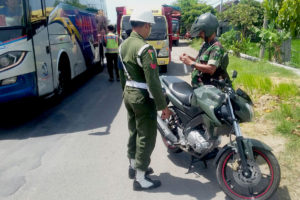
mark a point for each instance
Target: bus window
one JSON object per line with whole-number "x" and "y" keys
{"x": 11, "y": 13}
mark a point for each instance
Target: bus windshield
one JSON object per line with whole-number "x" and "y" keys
{"x": 11, "y": 13}
{"x": 175, "y": 26}
{"x": 158, "y": 31}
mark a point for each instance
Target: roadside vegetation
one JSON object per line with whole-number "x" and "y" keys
{"x": 259, "y": 29}
{"x": 276, "y": 95}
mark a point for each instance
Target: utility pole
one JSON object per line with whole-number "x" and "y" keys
{"x": 221, "y": 6}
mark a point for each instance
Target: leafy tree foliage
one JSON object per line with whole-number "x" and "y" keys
{"x": 190, "y": 10}
{"x": 285, "y": 13}
{"x": 289, "y": 16}
{"x": 244, "y": 16}
{"x": 272, "y": 39}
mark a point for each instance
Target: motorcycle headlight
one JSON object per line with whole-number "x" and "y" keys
{"x": 11, "y": 59}
{"x": 164, "y": 52}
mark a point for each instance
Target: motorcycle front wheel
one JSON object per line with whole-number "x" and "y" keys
{"x": 260, "y": 185}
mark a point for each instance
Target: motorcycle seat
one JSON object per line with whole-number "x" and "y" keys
{"x": 180, "y": 89}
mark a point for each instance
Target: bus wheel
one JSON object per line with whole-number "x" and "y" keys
{"x": 64, "y": 77}
{"x": 163, "y": 68}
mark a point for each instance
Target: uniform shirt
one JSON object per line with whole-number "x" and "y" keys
{"x": 148, "y": 73}
{"x": 101, "y": 23}
{"x": 210, "y": 54}
{"x": 111, "y": 42}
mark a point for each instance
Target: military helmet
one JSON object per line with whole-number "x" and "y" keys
{"x": 142, "y": 15}
{"x": 207, "y": 23}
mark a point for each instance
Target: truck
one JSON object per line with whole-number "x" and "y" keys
{"x": 176, "y": 16}
{"x": 161, "y": 34}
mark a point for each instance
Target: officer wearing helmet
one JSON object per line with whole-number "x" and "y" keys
{"x": 212, "y": 59}
{"x": 143, "y": 97}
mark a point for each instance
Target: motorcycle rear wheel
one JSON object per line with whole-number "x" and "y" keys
{"x": 264, "y": 180}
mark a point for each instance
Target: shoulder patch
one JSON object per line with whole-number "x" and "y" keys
{"x": 152, "y": 55}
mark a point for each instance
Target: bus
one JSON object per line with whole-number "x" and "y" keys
{"x": 43, "y": 46}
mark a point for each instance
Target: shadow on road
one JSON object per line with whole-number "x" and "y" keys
{"x": 181, "y": 186}
{"x": 90, "y": 106}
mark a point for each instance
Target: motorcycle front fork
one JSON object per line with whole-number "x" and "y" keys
{"x": 239, "y": 141}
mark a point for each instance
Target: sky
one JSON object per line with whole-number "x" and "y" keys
{"x": 112, "y": 4}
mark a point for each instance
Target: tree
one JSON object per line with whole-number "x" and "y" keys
{"x": 289, "y": 16}
{"x": 244, "y": 16}
{"x": 190, "y": 10}
{"x": 285, "y": 14}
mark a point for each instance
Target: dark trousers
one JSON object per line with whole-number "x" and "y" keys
{"x": 142, "y": 125}
{"x": 101, "y": 53}
{"x": 112, "y": 63}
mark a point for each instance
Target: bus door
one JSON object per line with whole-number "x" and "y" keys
{"x": 41, "y": 45}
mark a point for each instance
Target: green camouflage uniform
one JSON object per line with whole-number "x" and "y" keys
{"x": 211, "y": 54}
{"x": 142, "y": 109}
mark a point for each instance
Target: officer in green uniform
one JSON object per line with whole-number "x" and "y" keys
{"x": 212, "y": 59}
{"x": 143, "y": 97}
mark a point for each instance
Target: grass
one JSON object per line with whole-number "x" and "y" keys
{"x": 295, "y": 52}
{"x": 257, "y": 68}
{"x": 295, "y": 60}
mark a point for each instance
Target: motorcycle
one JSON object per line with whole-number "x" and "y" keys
{"x": 245, "y": 167}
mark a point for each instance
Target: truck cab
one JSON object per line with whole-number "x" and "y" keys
{"x": 159, "y": 37}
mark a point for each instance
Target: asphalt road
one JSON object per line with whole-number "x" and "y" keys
{"x": 76, "y": 149}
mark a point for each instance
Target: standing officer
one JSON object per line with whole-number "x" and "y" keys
{"x": 101, "y": 21}
{"x": 142, "y": 97}
{"x": 111, "y": 42}
{"x": 212, "y": 60}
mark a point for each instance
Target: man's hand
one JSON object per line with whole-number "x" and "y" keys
{"x": 186, "y": 59}
{"x": 166, "y": 113}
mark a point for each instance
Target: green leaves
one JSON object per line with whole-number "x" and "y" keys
{"x": 235, "y": 41}
{"x": 285, "y": 13}
{"x": 244, "y": 16}
{"x": 190, "y": 10}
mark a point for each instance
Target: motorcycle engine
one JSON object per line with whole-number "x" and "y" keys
{"x": 196, "y": 140}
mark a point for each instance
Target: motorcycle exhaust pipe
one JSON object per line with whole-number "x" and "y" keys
{"x": 165, "y": 131}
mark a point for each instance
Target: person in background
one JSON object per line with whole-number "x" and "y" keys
{"x": 101, "y": 21}
{"x": 111, "y": 42}
{"x": 11, "y": 12}
{"x": 143, "y": 97}
{"x": 212, "y": 61}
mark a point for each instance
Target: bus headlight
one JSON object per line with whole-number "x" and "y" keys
{"x": 11, "y": 59}
{"x": 164, "y": 52}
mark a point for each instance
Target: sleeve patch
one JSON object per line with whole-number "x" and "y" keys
{"x": 152, "y": 55}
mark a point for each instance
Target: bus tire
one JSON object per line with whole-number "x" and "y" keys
{"x": 64, "y": 76}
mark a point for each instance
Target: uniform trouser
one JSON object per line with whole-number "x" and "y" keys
{"x": 101, "y": 53}
{"x": 112, "y": 63}
{"x": 142, "y": 126}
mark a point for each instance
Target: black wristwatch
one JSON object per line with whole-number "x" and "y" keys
{"x": 193, "y": 65}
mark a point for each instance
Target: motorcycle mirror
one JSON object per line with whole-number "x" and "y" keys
{"x": 234, "y": 74}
